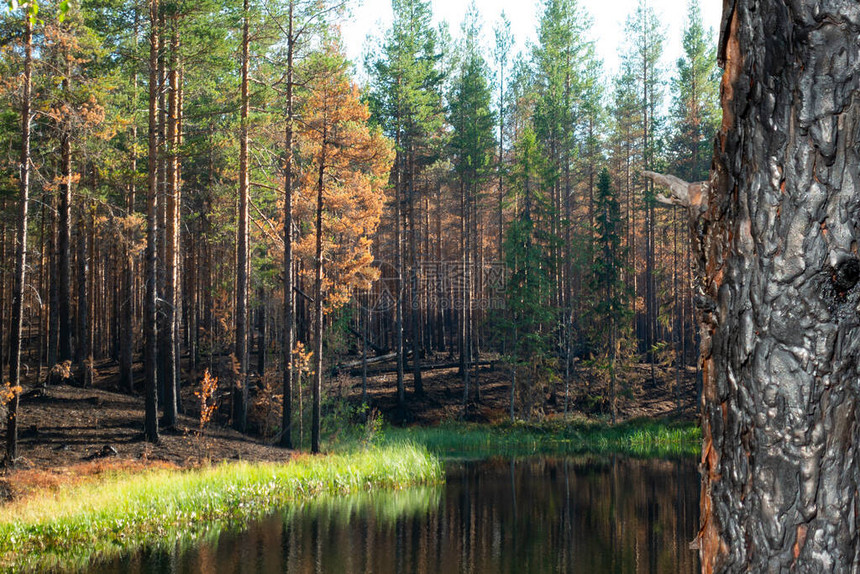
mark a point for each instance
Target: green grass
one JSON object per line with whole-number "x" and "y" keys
{"x": 644, "y": 438}
{"x": 160, "y": 508}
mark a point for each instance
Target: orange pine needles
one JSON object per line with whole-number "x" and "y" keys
{"x": 208, "y": 386}
{"x": 8, "y": 392}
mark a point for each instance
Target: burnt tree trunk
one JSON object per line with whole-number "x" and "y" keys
{"x": 782, "y": 331}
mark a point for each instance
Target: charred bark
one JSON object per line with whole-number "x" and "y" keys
{"x": 777, "y": 249}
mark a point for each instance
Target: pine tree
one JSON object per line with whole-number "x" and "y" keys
{"x": 406, "y": 102}
{"x": 347, "y": 163}
{"x": 641, "y": 63}
{"x": 695, "y": 113}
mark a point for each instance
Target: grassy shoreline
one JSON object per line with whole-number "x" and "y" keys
{"x": 645, "y": 438}
{"x": 121, "y": 513}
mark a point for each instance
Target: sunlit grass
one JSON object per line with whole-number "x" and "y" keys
{"x": 122, "y": 512}
{"x": 644, "y": 438}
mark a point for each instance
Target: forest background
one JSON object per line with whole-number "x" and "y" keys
{"x": 208, "y": 188}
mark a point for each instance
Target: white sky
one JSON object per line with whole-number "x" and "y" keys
{"x": 372, "y": 17}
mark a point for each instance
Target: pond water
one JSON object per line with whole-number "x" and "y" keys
{"x": 533, "y": 515}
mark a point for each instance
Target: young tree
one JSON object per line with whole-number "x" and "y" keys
{"x": 607, "y": 283}
{"x": 529, "y": 264}
{"x": 780, "y": 417}
{"x": 347, "y": 163}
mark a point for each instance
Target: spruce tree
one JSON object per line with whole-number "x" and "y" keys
{"x": 611, "y": 298}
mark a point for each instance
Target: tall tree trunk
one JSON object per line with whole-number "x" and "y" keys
{"x": 171, "y": 234}
{"x": 64, "y": 243}
{"x": 781, "y": 345}
{"x": 4, "y": 253}
{"x": 83, "y": 349}
{"x": 53, "y": 288}
{"x": 318, "y": 304}
{"x": 20, "y": 250}
{"x": 398, "y": 264}
{"x": 240, "y": 392}
{"x": 126, "y": 354}
{"x": 289, "y": 300}
{"x": 413, "y": 285}
{"x": 261, "y": 331}
{"x": 150, "y": 318}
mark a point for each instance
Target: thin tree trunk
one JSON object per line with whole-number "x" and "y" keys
{"x": 64, "y": 243}
{"x": 20, "y": 250}
{"x": 150, "y": 318}
{"x": 413, "y": 285}
{"x": 126, "y": 354}
{"x": 398, "y": 264}
{"x": 318, "y": 306}
{"x": 289, "y": 301}
{"x": 171, "y": 234}
{"x": 82, "y": 349}
{"x": 240, "y": 392}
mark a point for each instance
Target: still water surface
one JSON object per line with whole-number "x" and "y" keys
{"x": 535, "y": 515}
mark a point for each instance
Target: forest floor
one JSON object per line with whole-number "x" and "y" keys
{"x": 67, "y": 432}
{"x": 638, "y": 395}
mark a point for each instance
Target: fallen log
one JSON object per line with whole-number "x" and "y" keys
{"x": 424, "y": 368}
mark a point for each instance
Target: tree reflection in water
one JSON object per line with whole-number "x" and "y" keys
{"x": 604, "y": 514}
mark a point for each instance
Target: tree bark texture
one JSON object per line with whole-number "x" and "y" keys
{"x": 780, "y": 353}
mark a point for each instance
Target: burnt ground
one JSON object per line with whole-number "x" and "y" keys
{"x": 68, "y": 431}
{"x": 638, "y": 395}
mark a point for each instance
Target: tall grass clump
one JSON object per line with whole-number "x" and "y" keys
{"x": 642, "y": 438}
{"x": 122, "y": 513}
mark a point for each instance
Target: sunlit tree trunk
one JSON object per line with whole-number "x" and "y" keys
{"x": 126, "y": 335}
{"x": 289, "y": 301}
{"x": 171, "y": 234}
{"x": 20, "y": 249}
